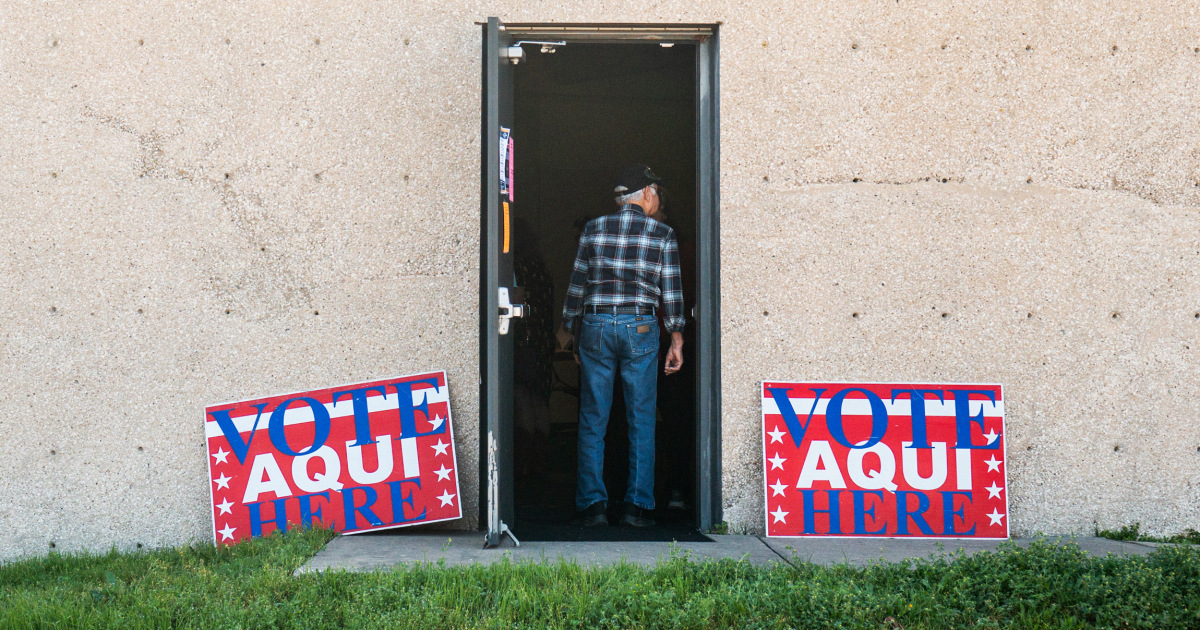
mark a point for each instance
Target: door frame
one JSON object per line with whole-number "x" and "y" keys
{"x": 708, "y": 280}
{"x": 707, "y": 313}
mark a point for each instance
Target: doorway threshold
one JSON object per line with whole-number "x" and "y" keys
{"x": 664, "y": 532}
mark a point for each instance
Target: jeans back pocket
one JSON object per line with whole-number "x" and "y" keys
{"x": 643, "y": 335}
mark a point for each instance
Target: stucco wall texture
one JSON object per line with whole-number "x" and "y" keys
{"x": 210, "y": 201}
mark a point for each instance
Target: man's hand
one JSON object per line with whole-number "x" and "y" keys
{"x": 674, "y": 355}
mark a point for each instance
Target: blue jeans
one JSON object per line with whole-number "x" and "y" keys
{"x": 612, "y": 346}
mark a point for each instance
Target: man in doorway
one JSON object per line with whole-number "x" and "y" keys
{"x": 626, "y": 269}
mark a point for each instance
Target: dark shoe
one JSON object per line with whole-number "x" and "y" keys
{"x": 593, "y": 515}
{"x": 636, "y": 516}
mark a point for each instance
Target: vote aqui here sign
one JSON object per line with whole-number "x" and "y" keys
{"x": 884, "y": 460}
{"x": 354, "y": 458}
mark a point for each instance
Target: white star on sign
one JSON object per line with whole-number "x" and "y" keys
{"x": 777, "y": 461}
{"x": 992, "y": 463}
{"x": 995, "y": 517}
{"x": 225, "y": 506}
{"x": 220, "y": 455}
{"x": 441, "y": 447}
{"x": 991, "y": 436}
{"x": 437, "y": 421}
{"x": 446, "y": 499}
{"x": 227, "y": 533}
{"x": 223, "y": 481}
{"x": 780, "y": 515}
{"x": 776, "y": 435}
{"x": 993, "y": 491}
{"x": 778, "y": 487}
{"x": 443, "y": 474}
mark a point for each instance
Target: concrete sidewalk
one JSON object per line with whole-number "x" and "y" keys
{"x": 388, "y": 551}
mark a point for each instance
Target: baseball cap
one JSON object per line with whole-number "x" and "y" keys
{"x": 634, "y": 178}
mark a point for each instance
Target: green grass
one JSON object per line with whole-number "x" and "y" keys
{"x": 252, "y": 586}
{"x": 1134, "y": 532}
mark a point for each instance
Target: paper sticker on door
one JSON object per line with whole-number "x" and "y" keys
{"x": 511, "y": 159}
{"x": 505, "y": 139}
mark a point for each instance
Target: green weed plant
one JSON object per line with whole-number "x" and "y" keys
{"x": 1134, "y": 533}
{"x": 252, "y": 586}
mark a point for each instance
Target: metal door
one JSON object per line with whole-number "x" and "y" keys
{"x": 497, "y": 293}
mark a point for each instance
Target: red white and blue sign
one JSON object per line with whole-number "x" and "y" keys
{"x": 354, "y": 458}
{"x": 884, "y": 460}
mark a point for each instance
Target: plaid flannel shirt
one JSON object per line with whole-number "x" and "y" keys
{"x": 626, "y": 259}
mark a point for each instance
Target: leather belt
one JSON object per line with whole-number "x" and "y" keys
{"x": 619, "y": 310}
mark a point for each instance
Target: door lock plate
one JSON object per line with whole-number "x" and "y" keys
{"x": 508, "y": 310}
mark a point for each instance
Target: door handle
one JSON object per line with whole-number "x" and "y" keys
{"x": 508, "y": 310}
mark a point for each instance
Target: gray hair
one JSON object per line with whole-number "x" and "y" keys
{"x": 627, "y": 197}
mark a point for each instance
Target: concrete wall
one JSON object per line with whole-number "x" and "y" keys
{"x": 212, "y": 201}
{"x": 1031, "y": 173}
